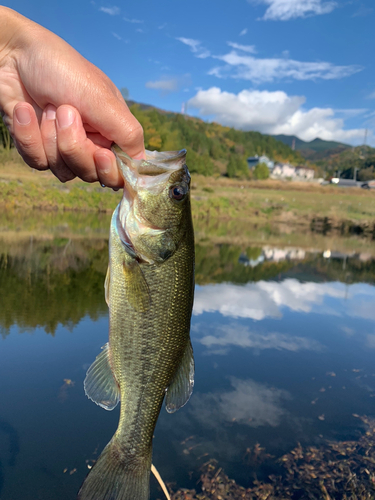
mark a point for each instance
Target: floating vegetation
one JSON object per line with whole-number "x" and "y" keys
{"x": 342, "y": 470}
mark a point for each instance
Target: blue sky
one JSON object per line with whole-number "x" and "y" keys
{"x": 303, "y": 67}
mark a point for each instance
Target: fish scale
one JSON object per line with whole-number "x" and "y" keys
{"x": 149, "y": 290}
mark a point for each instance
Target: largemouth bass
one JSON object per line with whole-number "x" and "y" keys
{"x": 149, "y": 291}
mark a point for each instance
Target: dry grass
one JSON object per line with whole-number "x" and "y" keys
{"x": 219, "y": 198}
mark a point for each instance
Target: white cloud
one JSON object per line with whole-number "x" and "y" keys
{"x": 272, "y": 113}
{"x": 119, "y": 37}
{"x": 267, "y": 299}
{"x": 193, "y": 44}
{"x": 264, "y": 298}
{"x": 243, "y": 32}
{"x": 112, "y": 11}
{"x": 283, "y": 10}
{"x": 249, "y": 403}
{"x": 225, "y": 336}
{"x": 349, "y": 113}
{"x": 168, "y": 84}
{"x": 196, "y": 47}
{"x": 245, "y": 48}
{"x": 363, "y": 11}
{"x": 134, "y": 21}
{"x": 371, "y": 96}
{"x": 258, "y": 70}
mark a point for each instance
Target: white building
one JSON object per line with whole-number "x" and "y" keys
{"x": 305, "y": 173}
{"x": 254, "y": 160}
{"x": 284, "y": 170}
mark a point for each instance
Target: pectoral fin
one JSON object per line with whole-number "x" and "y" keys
{"x": 100, "y": 384}
{"x": 136, "y": 287}
{"x": 106, "y": 285}
{"x": 181, "y": 387}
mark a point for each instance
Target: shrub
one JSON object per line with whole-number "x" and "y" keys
{"x": 261, "y": 171}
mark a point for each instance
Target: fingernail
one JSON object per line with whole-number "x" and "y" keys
{"x": 51, "y": 114}
{"x": 23, "y": 115}
{"x": 65, "y": 117}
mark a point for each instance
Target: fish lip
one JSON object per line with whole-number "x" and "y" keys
{"x": 166, "y": 161}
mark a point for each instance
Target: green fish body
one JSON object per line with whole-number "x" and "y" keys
{"x": 149, "y": 290}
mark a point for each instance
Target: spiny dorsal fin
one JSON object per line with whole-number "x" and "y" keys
{"x": 181, "y": 387}
{"x": 100, "y": 384}
{"x": 136, "y": 287}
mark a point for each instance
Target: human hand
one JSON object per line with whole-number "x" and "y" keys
{"x": 62, "y": 111}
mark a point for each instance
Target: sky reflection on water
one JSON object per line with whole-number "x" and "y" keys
{"x": 280, "y": 360}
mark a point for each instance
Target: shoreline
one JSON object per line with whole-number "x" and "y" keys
{"x": 321, "y": 208}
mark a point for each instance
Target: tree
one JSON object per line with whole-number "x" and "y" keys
{"x": 261, "y": 171}
{"x": 5, "y": 137}
{"x": 125, "y": 93}
{"x": 237, "y": 167}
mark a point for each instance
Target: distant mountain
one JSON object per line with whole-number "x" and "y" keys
{"x": 360, "y": 159}
{"x": 318, "y": 149}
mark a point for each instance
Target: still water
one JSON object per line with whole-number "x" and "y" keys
{"x": 283, "y": 336}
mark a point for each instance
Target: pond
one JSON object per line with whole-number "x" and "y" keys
{"x": 283, "y": 337}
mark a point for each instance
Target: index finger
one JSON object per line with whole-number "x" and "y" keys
{"x": 107, "y": 113}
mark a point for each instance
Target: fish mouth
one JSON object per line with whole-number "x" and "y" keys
{"x": 151, "y": 174}
{"x": 156, "y": 164}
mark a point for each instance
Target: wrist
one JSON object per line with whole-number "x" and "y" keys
{"x": 13, "y": 31}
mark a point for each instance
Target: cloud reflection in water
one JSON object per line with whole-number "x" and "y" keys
{"x": 267, "y": 298}
{"x": 224, "y": 336}
{"x": 249, "y": 403}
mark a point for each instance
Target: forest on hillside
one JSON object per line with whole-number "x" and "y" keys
{"x": 212, "y": 148}
{"x": 344, "y": 164}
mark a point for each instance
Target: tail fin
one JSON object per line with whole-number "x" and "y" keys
{"x": 113, "y": 478}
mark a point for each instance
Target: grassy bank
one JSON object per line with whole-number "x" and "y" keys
{"x": 219, "y": 198}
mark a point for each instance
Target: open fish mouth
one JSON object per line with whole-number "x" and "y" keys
{"x": 150, "y": 174}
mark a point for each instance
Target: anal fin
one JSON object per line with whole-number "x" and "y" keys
{"x": 100, "y": 384}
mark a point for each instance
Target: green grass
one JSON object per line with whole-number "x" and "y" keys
{"x": 257, "y": 201}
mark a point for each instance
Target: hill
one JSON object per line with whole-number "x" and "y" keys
{"x": 211, "y": 146}
{"x": 317, "y": 149}
{"x": 344, "y": 164}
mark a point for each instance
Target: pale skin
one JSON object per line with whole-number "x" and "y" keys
{"x": 62, "y": 111}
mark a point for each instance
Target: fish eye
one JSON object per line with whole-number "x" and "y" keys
{"x": 178, "y": 192}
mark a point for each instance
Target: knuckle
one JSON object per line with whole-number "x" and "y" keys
{"x": 70, "y": 149}
{"x": 33, "y": 160}
{"x": 135, "y": 134}
{"x": 62, "y": 172}
{"x": 27, "y": 143}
